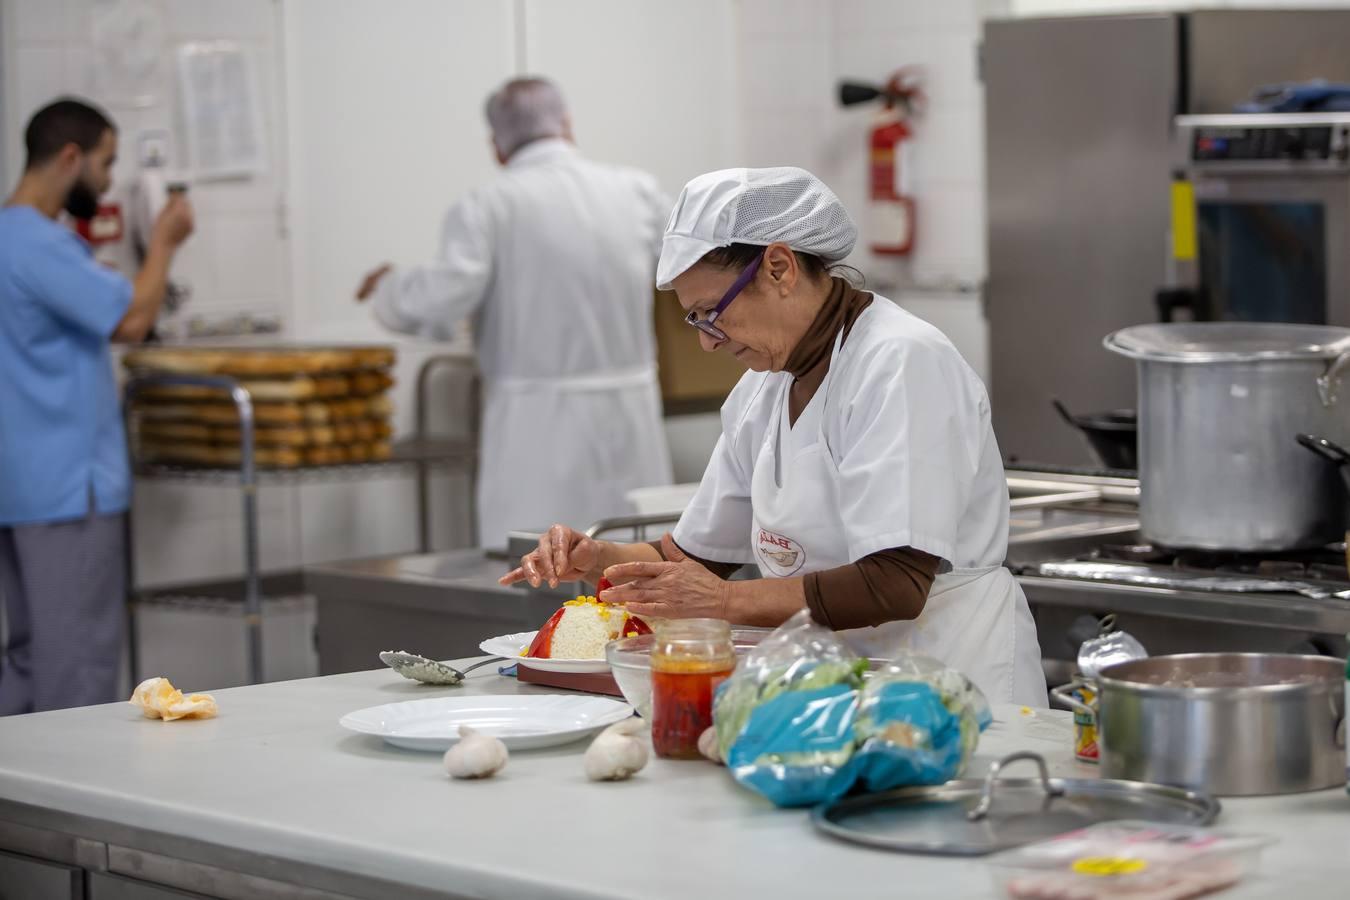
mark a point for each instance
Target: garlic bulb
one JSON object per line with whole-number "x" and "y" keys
{"x": 617, "y": 753}
{"x": 707, "y": 744}
{"x": 475, "y": 755}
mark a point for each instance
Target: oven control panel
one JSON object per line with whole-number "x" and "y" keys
{"x": 1321, "y": 143}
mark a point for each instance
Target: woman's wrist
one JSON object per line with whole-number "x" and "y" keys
{"x": 604, "y": 558}
{"x": 763, "y": 602}
{"x": 731, "y": 595}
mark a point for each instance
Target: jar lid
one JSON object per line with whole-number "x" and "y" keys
{"x": 1202, "y": 342}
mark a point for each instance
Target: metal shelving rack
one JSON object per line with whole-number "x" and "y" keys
{"x": 423, "y": 452}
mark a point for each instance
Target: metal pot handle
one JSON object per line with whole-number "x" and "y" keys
{"x": 1051, "y": 789}
{"x": 1331, "y": 451}
{"x": 1064, "y": 412}
{"x": 1329, "y": 382}
{"x": 1064, "y": 694}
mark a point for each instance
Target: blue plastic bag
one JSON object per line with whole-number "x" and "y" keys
{"x": 795, "y": 748}
{"x": 797, "y": 723}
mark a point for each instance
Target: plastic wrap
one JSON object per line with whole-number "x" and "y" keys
{"x": 918, "y": 723}
{"x": 784, "y": 718}
{"x": 796, "y": 723}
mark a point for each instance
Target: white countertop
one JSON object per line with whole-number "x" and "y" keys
{"x": 275, "y": 775}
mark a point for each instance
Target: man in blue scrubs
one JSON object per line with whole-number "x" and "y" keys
{"x": 64, "y": 479}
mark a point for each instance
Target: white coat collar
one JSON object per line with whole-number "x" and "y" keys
{"x": 541, "y": 151}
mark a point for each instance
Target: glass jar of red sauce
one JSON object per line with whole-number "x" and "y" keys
{"x": 690, "y": 658}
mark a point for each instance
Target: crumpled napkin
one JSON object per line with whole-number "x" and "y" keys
{"x": 158, "y": 699}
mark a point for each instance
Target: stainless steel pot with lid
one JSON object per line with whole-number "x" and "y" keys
{"x": 1218, "y": 404}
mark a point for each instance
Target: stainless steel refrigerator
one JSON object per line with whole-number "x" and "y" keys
{"x": 1079, "y": 150}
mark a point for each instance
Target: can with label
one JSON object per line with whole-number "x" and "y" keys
{"x": 1081, "y": 696}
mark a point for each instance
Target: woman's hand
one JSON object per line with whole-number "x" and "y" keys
{"x": 562, "y": 555}
{"x": 679, "y": 588}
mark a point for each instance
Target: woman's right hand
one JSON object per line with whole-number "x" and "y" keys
{"x": 563, "y": 554}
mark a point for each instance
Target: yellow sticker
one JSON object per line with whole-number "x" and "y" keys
{"x": 1183, "y": 220}
{"x": 1108, "y": 865}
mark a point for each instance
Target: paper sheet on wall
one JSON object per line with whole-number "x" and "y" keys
{"x": 128, "y": 42}
{"x": 222, "y": 119}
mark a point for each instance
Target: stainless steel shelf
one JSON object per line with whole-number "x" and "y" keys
{"x": 432, "y": 452}
{"x": 422, "y": 453}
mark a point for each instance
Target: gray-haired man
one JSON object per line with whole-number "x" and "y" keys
{"x": 555, "y": 259}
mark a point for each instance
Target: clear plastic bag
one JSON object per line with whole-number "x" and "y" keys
{"x": 1139, "y": 860}
{"x": 784, "y": 718}
{"x": 918, "y": 723}
{"x": 796, "y": 723}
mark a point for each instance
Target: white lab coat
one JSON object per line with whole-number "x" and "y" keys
{"x": 894, "y": 450}
{"x": 554, "y": 260}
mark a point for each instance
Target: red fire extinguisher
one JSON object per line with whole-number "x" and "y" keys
{"x": 104, "y": 227}
{"x": 891, "y": 210}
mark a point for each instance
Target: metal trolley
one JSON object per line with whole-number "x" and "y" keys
{"x": 422, "y": 452}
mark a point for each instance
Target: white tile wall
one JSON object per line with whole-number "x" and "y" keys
{"x": 785, "y": 74}
{"x": 648, "y": 84}
{"x": 250, "y": 20}
{"x": 51, "y": 43}
{"x": 40, "y": 74}
{"x": 367, "y": 518}
{"x": 257, "y": 275}
{"x": 784, "y": 18}
{"x": 793, "y": 56}
{"x": 237, "y": 261}
{"x": 381, "y": 142}
{"x": 879, "y": 17}
{"x": 51, "y": 20}
{"x": 193, "y": 533}
{"x": 386, "y": 129}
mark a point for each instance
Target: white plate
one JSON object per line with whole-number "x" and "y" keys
{"x": 511, "y": 645}
{"x": 522, "y": 723}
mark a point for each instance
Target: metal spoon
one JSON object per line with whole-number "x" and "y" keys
{"x": 428, "y": 671}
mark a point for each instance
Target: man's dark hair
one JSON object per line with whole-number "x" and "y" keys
{"x": 65, "y": 121}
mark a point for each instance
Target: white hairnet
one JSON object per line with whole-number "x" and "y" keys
{"x": 754, "y": 206}
{"x": 524, "y": 110}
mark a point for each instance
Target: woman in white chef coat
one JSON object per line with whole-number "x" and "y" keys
{"x": 857, "y": 465}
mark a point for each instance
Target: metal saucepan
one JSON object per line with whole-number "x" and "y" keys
{"x": 1231, "y": 724}
{"x": 1111, "y": 436}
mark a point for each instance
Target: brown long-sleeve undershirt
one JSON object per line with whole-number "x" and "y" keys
{"x": 884, "y": 586}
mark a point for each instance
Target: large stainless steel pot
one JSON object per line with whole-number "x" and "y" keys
{"x": 1231, "y": 724}
{"x": 1218, "y": 405}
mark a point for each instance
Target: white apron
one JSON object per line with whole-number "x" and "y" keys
{"x": 567, "y": 449}
{"x": 974, "y": 619}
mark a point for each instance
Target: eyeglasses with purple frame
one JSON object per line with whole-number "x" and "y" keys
{"x": 705, "y": 324}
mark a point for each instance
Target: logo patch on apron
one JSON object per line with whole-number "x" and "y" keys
{"x": 782, "y": 555}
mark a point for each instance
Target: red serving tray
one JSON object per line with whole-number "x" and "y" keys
{"x": 588, "y": 682}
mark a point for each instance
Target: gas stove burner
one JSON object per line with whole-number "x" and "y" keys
{"x": 1144, "y": 553}
{"x": 1327, "y": 564}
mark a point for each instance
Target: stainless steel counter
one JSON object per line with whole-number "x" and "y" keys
{"x": 440, "y": 605}
{"x": 443, "y": 604}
